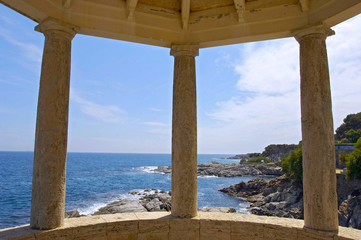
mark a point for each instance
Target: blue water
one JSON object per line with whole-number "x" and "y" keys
{"x": 95, "y": 179}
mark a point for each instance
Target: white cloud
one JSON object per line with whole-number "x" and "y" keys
{"x": 105, "y": 113}
{"x": 31, "y": 51}
{"x": 267, "y": 110}
{"x": 270, "y": 67}
{"x": 344, "y": 51}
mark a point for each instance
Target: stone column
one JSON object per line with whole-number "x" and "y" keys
{"x": 48, "y": 189}
{"x": 184, "y": 132}
{"x": 319, "y": 167}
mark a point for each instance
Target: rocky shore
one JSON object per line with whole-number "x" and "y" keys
{"x": 283, "y": 197}
{"x": 149, "y": 200}
{"x": 232, "y": 170}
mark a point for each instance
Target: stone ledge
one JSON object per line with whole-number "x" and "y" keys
{"x": 161, "y": 225}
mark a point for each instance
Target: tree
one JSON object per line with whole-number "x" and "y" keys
{"x": 353, "y": 135}
{"x": 353, "y": 162}
{"x": 352, "y": 121}
{"x": 292, "y": 164}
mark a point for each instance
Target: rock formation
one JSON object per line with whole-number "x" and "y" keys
{"x": 232, "y": 170}
{"x": 283, "y": 197}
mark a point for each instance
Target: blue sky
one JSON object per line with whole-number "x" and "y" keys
{"x": 121, "y": 92}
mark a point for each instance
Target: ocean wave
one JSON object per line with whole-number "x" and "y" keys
{"x": 210, "y": 176}
{"x": 244, "y": 208}
{"x": 93, "y": 208}
{"x": 149, "y": 169}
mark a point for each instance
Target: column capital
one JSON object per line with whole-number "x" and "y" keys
{"x": 317, "y": 31}
{"x": 191, "y": 50}
{"x": 54, "y": 25}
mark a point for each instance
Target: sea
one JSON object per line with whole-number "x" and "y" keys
{"x": 96, "y": 179}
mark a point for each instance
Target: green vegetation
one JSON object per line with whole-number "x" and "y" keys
{"x": 353, "y": 162}
{"x": 352, "y": 121}
{"x": 292, "y": 164}
{"x": 343, "y": 157}
{"x": 353, "y": 135}
{"x": 259, "y": 159}
{"x": 349, "y": 133}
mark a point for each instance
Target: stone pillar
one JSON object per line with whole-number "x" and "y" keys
{"x": 184, "y": 132}
{"x": 48, "y": 189}
{"x": 319, "y": 168}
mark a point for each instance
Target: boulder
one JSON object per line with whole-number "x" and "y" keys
{"x": 121, "y": 206}
{"x": 72, "y": 214}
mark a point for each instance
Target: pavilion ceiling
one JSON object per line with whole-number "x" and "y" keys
{"x": 204, "y": 22}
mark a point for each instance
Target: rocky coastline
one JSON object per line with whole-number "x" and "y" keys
{"x": 231, "y": 170}
{"x": 148, "y": 200}
{"x": 283, "y": 197}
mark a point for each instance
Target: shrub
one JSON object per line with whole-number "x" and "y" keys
{"x": 292, "y": 164}
{"x": 353, "y": 135}
{"x": 343, "y": 141}
{"x": 259, "y": 159}
{"x": 343, "y": 157}
{"x": 353, "y": 162}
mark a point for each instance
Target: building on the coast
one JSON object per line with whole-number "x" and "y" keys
{"x": 184, "y": 26}
{"x": 342, "y": 149}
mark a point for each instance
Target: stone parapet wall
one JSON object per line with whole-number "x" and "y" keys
{"x": 162, "y": 226}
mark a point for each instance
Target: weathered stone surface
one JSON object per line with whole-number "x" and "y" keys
{"x": 154, "y": 226}
{"x": 184, "y": 235}
{"x": 310, "y": 234}
{"x": 184, "y": 224}
{"x": 246, "y": 231}
{"x": 62, "y": 234}
{"x": 19, "y": 233}
{"x": 161, "y": 225}
{"x": 215, "y": 236}
{"x": 214, "y": 226}
{"x": 97, "y": 231}
{"x": 184, "y": 132}
{"x": 153, "y": 236}
{"x": 120, "y": 236}
{"x": 318, "y": 150}
{"x": 122, "y": 227}
{"x": 48, "y": 187}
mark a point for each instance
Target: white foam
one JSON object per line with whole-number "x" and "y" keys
{"x": 93, "y": 208}
{"x": 210, "y": 176}
{"x": 96, "y": 206}
{"x": 150, "y": 169}
{"x": 244, "y": 209}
